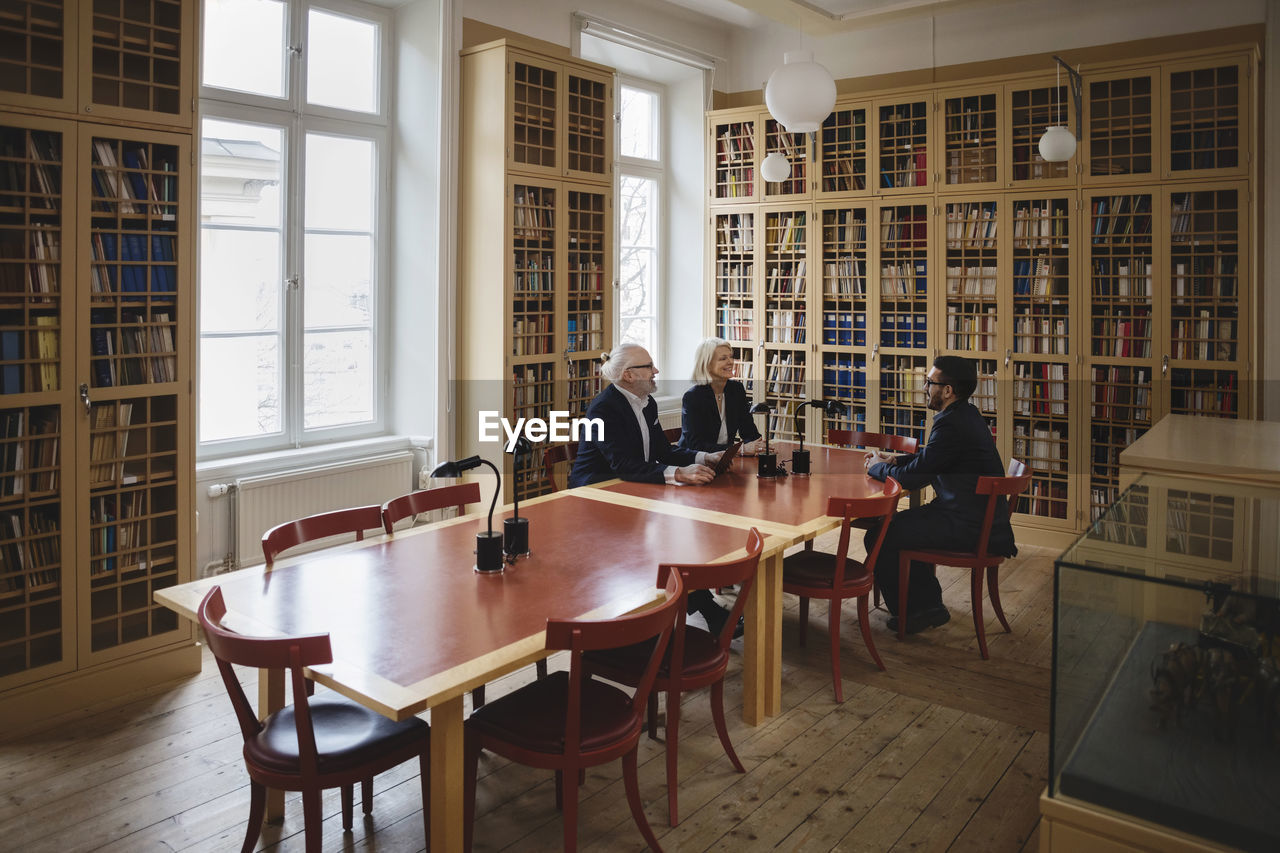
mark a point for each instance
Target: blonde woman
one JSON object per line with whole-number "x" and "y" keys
{"x": 715, "y": 410}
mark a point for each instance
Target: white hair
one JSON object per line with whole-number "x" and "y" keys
{"x": 619, "y": 360}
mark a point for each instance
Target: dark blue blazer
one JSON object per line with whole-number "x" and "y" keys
{"x": 700, "y": 419}
{"x": 621, "y": 452}
{"x": 960, "y": 449}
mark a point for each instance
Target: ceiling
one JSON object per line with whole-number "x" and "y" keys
{"x": 819, "y": 16}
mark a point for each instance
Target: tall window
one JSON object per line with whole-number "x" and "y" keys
{"x": 640, "y": 179}
{"x": 293, "y": 158}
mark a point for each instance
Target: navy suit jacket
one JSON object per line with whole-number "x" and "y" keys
{"x": 621, "y": 452}
{"x": 960, "y": 449}
{"x": 700, "y": 418}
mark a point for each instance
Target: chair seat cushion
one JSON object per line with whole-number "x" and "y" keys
{"x": 959, "y": 559}
{"x": 534, "y": 716}
{"x": 817, "y": 569}
{"x": 702, "y": 656}
{"x": 346, "y": 735}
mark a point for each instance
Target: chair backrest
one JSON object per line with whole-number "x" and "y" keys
{"x": 579, "y": 636}
{"x": 292, "y": 653}
{"x": 556, "y": 455}
{"x": 426, "y": 500}
{"x": 881, "y": 440}
{"x": 673, "y": 434}
{"x": 322, "y": 525}
{"x": 998, "y": 487}
{"x": 740, "y": 572}
{"x": 881, "y": 506}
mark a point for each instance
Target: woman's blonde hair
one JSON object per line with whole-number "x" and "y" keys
{"x": 702, "y": 358}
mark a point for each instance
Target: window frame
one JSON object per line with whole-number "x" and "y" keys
{"x": 655, "y": 170}
{"x": 298, "y": 120}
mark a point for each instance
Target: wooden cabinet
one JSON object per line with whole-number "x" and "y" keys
{"x": 96, "y": 322}
{"x": 1095, "y": 295}
{"x": 536, "y": 280}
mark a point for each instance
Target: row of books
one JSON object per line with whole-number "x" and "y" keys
{"x": 784, "y": 375}
{"x": 735, "y": 324}
{"x": 1213, "y": 277}
{"x": 532, "y": 385}
{"x": 784, "y": 327}
{"x": 28, "y": 451}
{"x": 734, "y": 279}
{"x": 1127, "y": 278}
{"x": 907, "y": 278}
{"x": 534, "y": 272}
{"x": 135, "y": 187}
{"x": 18, "y": 370}
{"x": 842, "y": 378}
{"x": 1044, "y": 499}
{"x": 971, "y": 225}
{"x": 109, "y": 444}
{"x": 129, "y": 275}
{"x": 32, "y": 269}
{"x": 737, "y": 143}
{"x": 845, "y": 278}
{"x": 117, "y": 544}
{"x": 972, "y": 281}
{"x": 1118, "y": 219}
{"x": 785, "y": 235}
{"x": 735, "y": 181}
{"x": 904, "y": 228}
{"x": 903, "y": 170}
{"x": 32, "y": 175}
{"x": 30, "y": 551}
{"x": 1117, "y": 527}
{"x": 585, "y": 331}
{"x": 736, "y": 234}
{"x": 844, "y": 174}
{"x": 1040, "y": 335}
{"x": 134, "y": 352}
{"x": 585, "y": 278}
{"x": 909, "y": 421}
{"x": 844, "y": 328}
{"x": 786, "y": 279}
{"x": 971, "y": 333}
{"x": 903, "y": 384}
{"x": 1039, "y": 226}
{"x": 1039, "y": 388}
{"x": 531, "y": 336}
{"x": 1122, "y": 394}
{"x": 1205, "y": 338}
{"x": 844, "y": 229}
{"x": 533, "y": 215}
{"x": 1040, "y": 276}
{"x": 1043, "y": 446}
{"x": 1202, "y": 392}
{"x": 904, "y": 330}
{"x": 1127, "y": 337}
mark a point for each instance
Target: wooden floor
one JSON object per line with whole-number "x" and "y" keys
{"x": 944, "y": 751}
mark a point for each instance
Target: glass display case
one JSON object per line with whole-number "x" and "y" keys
{"x": 1166, "y": 667}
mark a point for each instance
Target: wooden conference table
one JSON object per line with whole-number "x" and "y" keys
{"x": 414, "y": 628}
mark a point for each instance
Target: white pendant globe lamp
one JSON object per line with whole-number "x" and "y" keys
{"x": 775, "y": 167}
{"x": 800, "y": 94}
{"x": 1058, "y": 144}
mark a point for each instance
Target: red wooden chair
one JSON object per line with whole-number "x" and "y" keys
{"x": 355, "y": 520}
{"x": 312, "y": 744}
{"x": 696, "y": 658}
{"x": 673, "y": 434}
{"x": 978, "y": 561}
{"x": 880, "y": 440}
{"x": 835, "y": 577}
{"x": 570, "y": 721}
{"x": 556, "y": 455}
{"x": 426, "y": 500}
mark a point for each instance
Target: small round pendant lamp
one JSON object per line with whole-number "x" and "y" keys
{"x": 801, "y": 93}
{"x": 1058, "y": 144}
{"x": 775, "y": 167}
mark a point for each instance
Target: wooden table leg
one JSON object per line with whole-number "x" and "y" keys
{"x": 762, "y": 645}
{"x": 447, "y": 756}
{"x": 270, "y": 700}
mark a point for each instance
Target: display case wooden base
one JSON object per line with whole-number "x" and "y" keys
{"x": 1070, "y": 826}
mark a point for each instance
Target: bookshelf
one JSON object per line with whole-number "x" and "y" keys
{"x": 732, "y": 159}
{"x": 1095, "y": 295}
{"x": 536, "y": 263}
{"x": 97, "y": 219}
{"x": 795, "y": 147}
{"x": 786, "y": 313}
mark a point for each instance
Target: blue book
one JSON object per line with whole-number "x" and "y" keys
{"x": 136, "y": 181}
{"x": 10, "y": 352}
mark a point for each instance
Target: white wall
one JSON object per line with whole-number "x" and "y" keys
{"x": 682, "y": 311}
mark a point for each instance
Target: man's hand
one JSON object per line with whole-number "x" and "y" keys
{"x": 694, "y": 475}
{"x": 874, "y": 456}
{"x": 714, "y": 458}
{"x": 751, "y": 448}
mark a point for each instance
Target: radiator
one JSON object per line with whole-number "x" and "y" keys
{"x": 263, "y": 502}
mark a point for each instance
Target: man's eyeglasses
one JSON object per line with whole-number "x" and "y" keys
{"x": 928, "y": 383}
{"x": 646, "y": 366}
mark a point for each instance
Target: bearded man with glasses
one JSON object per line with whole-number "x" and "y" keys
{"x": 959, "y": 450}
